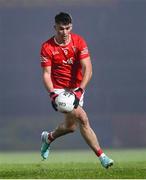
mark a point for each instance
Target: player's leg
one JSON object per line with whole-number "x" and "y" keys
{"x": 85, "y": 129}
{"x": 68, "y": 126}
{"x": 90, "y": 137}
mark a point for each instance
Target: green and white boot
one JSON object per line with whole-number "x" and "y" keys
{"x": 45, "y": 146}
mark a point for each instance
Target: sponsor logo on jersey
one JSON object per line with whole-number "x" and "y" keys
{"x": 68, "y": 61}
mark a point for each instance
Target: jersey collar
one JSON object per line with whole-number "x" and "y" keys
{"x": 61, "y": 44}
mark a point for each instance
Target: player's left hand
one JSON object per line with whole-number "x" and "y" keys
{"x": 78, "y": 93}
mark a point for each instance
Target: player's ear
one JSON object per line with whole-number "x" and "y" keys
{"x": 71, "y": 27}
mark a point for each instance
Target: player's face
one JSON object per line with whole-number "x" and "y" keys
{"x": 63, "y": 31}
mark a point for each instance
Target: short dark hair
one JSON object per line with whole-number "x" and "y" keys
{"x": 63, "y": 18}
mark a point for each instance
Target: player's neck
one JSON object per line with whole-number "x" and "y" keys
{"x": 62, "y": 42}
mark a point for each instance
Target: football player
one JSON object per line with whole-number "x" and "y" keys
{"x": 66, "y": 65}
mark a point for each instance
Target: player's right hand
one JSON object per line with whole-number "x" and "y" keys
{"x": 53, "y": 96}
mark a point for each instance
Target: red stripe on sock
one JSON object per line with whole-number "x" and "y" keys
{"x": 99, "y": 152}
{"x": 50, "y": 137}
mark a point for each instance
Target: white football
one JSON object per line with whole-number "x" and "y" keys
{"x": 65, "y": 101}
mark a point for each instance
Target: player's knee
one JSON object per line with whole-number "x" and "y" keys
{"x": 84, "y": 122}
{"x": 83, "y": 119}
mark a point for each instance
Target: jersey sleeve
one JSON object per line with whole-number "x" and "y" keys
{"x": 83, "y": 49}
{"x": 45, "y": 57}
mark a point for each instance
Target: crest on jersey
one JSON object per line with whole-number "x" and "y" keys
{"x": 65, "y": 51}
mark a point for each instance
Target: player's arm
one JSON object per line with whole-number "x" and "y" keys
{"x": 46, "y": 75}
{"x": 85, "y": 61}
{"x": 87, "y": 71}
{"x": 46, "y": 62}
{"x": 49, "y": 85}
{"x": 87, "y": 74}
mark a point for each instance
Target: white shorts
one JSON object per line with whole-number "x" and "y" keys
{"x": 58, "y": 91}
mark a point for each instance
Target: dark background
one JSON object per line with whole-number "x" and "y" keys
{"x": 115, "y": 99}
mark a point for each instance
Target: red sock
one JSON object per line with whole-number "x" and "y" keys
{"x": 50, "y": 137}
{"x": 99, "y": 152}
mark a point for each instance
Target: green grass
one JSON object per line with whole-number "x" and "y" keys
{"x": 129, "y": 164}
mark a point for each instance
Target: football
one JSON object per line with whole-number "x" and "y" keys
{"x": 65, "y": 101}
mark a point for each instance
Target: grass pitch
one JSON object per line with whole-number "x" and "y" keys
{"x": 129, "y": 164}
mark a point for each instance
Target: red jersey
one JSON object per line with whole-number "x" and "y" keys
{"x": 66, "y": 70}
